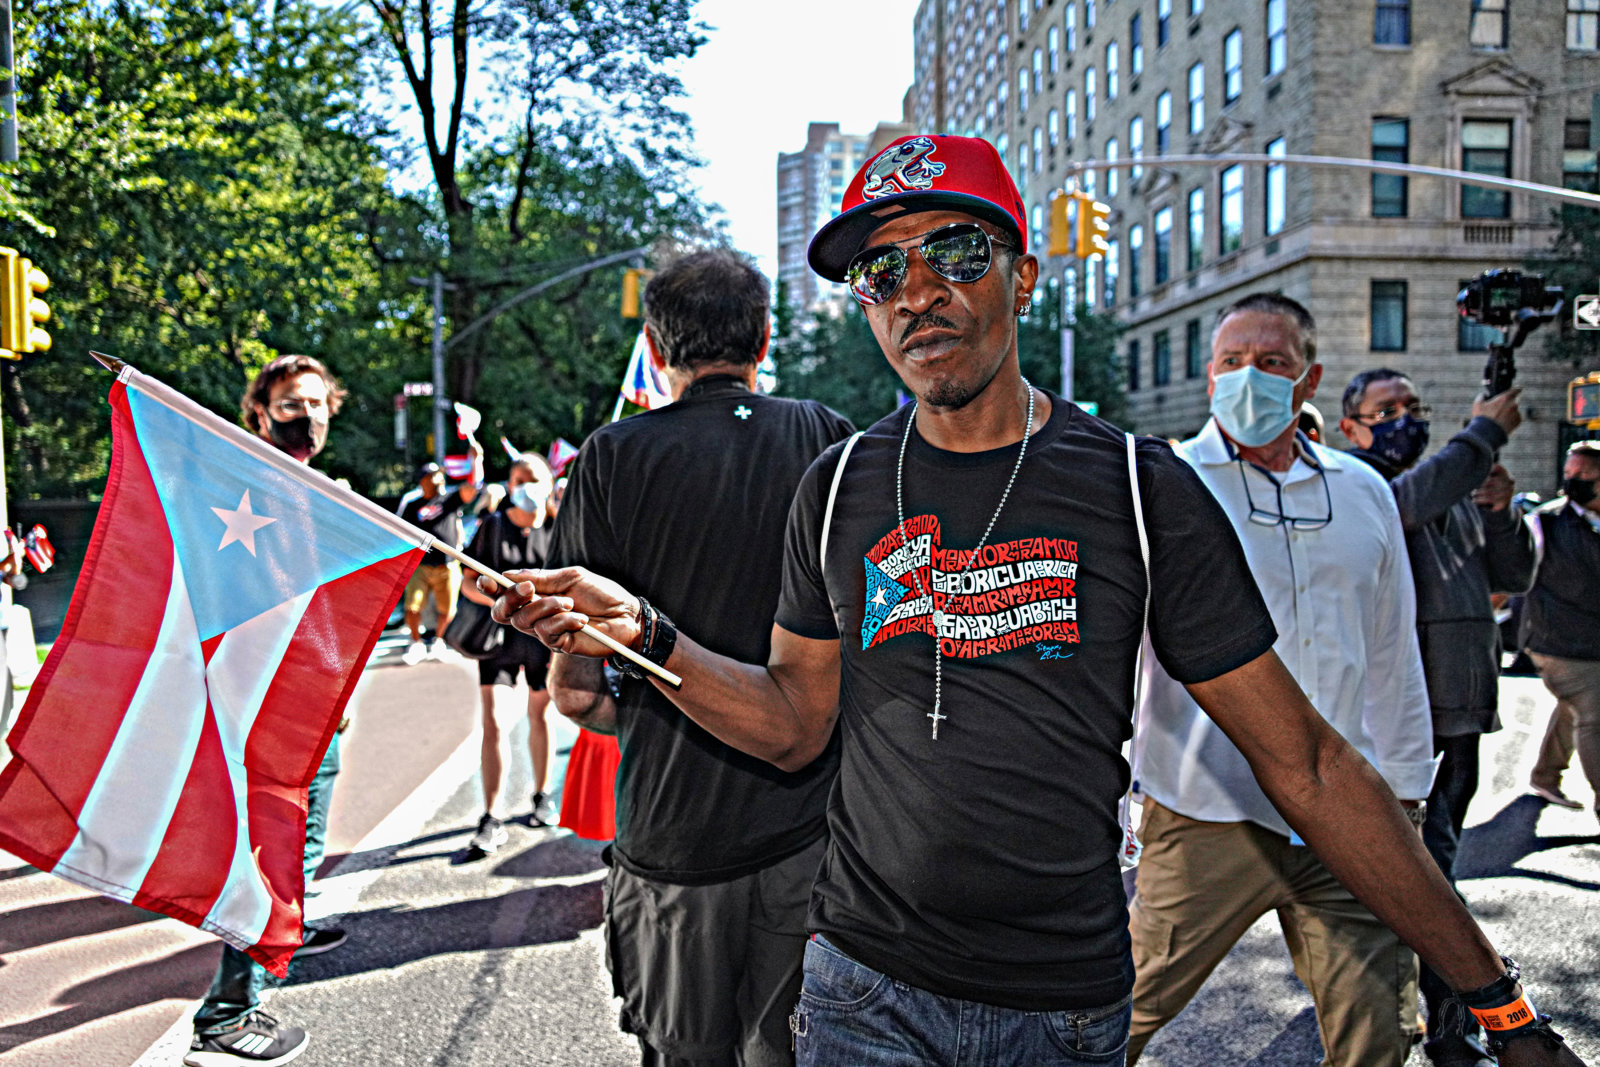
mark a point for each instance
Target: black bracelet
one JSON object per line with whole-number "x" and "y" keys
{"x": 657, "y": 638}
{"x": 1502, "y": 990}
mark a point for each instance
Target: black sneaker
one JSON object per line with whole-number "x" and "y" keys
{"x": 544, "y": 811}
{"x": 319, "y": 941}
{"x": 258, "y": 1040}
{"x": 490, "y": 836}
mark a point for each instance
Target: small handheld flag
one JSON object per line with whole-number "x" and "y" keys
{"x": 41, "y": 553}
{"x": 467, "y": 421}
{"x": 562, "y": 452}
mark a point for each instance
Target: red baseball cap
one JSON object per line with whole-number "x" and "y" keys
{"x": 922, "y": 172}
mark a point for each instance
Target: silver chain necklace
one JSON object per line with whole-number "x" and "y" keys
{"x": 900, "y": 507}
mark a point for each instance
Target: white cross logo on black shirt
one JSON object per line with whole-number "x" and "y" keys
{"x": 742, "y": 411}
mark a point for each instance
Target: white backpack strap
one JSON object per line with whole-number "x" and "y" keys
{"x": 1131, "y": 847}
{"x": 833, "y": 493}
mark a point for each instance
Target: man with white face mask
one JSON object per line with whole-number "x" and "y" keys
{"x": 517, "y": 535}
{"x": 1323, "y": 540}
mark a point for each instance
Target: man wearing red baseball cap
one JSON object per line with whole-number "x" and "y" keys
{"x": 966, "y": 585}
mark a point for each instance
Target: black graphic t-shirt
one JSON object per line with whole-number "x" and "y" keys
{"x": 441, "y": 517}
{"x": 982, "y": 864}
{"x": 505, "y": 546}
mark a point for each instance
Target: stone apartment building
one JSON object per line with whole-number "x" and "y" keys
{"x": 1503, "y": 87}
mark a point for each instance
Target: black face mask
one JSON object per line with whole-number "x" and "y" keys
{"x": 1579, "y": 490}
{"x": 301, "y": 438}
{"x": 1400, "y": 442}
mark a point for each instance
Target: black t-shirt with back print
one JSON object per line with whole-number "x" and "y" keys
{"x": 982, "y": 865}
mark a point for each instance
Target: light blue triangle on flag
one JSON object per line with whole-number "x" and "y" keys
{"x": 883, "y": 593}
{"x": 301, "y": 538}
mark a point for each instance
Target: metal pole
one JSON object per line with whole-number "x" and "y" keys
{"x": 438, "y": 367}
{"x": 8, "y": 89}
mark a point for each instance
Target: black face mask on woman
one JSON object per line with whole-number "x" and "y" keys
{"x": 304, "y": 436}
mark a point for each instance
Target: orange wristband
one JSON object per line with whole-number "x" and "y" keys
{"x": 1518, "y": 1013}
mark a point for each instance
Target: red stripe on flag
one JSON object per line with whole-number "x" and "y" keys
{"x": 88, "y": 681}
{"x": 191, "y": 866}
{"x": 320, "y": 668}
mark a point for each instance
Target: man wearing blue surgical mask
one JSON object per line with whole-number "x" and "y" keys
{"x": 1323, "y": 541}
{"x": 1465, "y": 542}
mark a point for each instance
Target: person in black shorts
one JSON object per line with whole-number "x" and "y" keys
{"x": 516, "y": 535}
{"x": 965, "y": 593}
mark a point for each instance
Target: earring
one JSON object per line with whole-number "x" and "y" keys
{"x": 1025, "y": 309}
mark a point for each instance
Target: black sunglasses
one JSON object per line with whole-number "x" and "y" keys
{"x": 960, "y": 252}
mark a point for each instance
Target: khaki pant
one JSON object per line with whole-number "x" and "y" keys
{"x": 1575, "y": 722}
{"x": 1202, "y": 885}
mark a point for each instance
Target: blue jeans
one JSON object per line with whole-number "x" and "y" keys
{"x": 236, "y": 990}
{"x": 850, "y": 1014}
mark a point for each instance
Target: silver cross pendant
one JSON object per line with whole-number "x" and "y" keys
{"x": 937, "y": 719}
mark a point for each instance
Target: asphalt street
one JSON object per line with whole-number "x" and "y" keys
{"x": 500, "y": 961}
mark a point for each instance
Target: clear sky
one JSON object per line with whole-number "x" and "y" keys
{"x": 771, "y": 67}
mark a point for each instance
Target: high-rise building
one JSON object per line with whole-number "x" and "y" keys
{"x": 1460, "y": 84}
{"x": 811, "y": 185}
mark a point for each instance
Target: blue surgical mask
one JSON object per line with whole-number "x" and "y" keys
{"x": 530, "y": 497}
{"x": 1400, "y": 442}
{"x": 1254, "y": 407}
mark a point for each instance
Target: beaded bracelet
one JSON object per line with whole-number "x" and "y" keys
{"x": 657, "y": 638}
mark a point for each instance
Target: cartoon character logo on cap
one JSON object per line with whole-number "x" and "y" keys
{"x": 901, "y": 169}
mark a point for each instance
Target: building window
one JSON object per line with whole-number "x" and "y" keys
{"x": 1038, "y": 71}
{"x": 1087, "y": 180}
{"x": 1578, "y": 158}
{"x": 1231, "y": 231}
{"x": 1036, "y": 225}
{"x": 1391, "y": 23}
{"x": 1391, "y": 143}
{"x": 1388, "y": 316}
{"x": 1196, "y": 7}
{"x": 1069, "y": 287}
{"x": 1022, "y": 17}
{"x": 1232, "y": 67}
{"x": 1088, "y": 94}
{"x": 1091, "y": 295}
{"x": 1072, "y": 114}
{"x": 1197, "y": 98}
{"x": 1485, "y": 149}
{"x": 1022, "y": 92}
{"x": 1163, "y": 249}
{"x": 1111, "y": 70}
{"x": 1163, "y": 123}
{"x": 1088, "y": 14}
{"x": 1489, "y": 24}
{"x": 1024, "y": 162}
{"x": 1583, "y": 25}
{"x": 1071, "y": 21}
{"x": 1112, "y": 266}
{"x": 1133, "y": 362}
{"x": 1277, "y": 189}
{"x": 1053, "y": 124}
{"x": 1136, "y": 145}
{"x": 1135, "y": 257}
{"x": 1054, "y": 45}
{"x": 1038, "y": 149}
{"x": 1277, "y": 37}
{"x": 1194, "y": 363}
{"x": 1136, "y": 45}
{"x": 1163, "y": 22}
{"x": 1197, "y": 227}
{"x": 1161, "y": 357}
{"x": 1111, "y": 172}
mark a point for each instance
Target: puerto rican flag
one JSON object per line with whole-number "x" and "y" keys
{"x": 227, "y": 605}
{"x": 643, "y": 385}
{"x": 562, "y": 452}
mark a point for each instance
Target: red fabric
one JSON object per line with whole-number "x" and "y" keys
{"x": 589, "y": 798}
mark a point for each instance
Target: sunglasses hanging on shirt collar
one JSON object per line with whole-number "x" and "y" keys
{"x": 1262, "y": 516}
{"x": 961, "y": 252}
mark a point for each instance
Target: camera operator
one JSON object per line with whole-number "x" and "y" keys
{"x": 1465, "y": 542}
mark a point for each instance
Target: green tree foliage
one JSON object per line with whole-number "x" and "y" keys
{"x": 1572, "y": 262}
{"x": 215, "y": 195}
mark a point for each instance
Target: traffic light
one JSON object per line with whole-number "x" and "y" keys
{"x": 1060, "y": 237}
{"x": 630, "y": 292}
{"x": 1583, "y": 400}
{"x": 21, "y": 310}
{"x": 1093, "y": 225}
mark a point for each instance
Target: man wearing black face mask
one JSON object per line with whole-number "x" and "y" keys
{"x": 1561, "y": 623}
{"x": 1465, "y": 543}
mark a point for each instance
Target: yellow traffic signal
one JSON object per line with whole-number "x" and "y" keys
{"x": 630, "y": 292}
{"x": 1093, "y": 225}
{"x": 21, "y": 310}
{"x": 1060, "y": 236}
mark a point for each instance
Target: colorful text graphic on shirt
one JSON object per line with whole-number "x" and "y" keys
{"x": 1015, "y": 593}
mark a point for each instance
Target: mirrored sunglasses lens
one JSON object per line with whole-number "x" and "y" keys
{"x": 960, "y": 253}
{"x": 874, "y": 275}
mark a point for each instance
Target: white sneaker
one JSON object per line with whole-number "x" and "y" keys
{"x": 414, "y": 654}
{"x": 443, "y": 653}
{"x": 490, "y": 836}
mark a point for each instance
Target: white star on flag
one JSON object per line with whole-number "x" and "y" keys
{"x": 878, "y": 598}
{"x": 242, "y": 524}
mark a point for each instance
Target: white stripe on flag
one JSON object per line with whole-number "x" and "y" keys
{"x": 241, "y": 669}
{"x": 117, "y": 840}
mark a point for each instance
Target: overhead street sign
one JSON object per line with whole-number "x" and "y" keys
{"x": 1586, "y": 311}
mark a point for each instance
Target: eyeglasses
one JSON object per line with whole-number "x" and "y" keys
{"x": 1263, "y": 517}
{"x": 1416, "y": 409}
{"x": 960, "y": 252}
{"x": 293, "y": 407}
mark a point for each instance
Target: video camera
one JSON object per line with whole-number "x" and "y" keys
{"x": 1514, "y": 303}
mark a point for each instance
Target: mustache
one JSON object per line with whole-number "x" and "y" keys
{"x": 927, "y": 318}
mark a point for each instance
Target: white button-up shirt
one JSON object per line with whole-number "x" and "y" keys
{"x": 1345, "y": 608}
